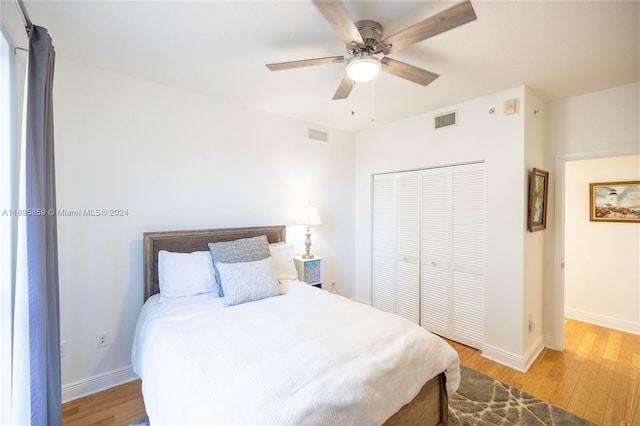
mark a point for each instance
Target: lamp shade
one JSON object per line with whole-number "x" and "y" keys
{"x": 362, "y": 69}
{"x": 309, "y": 216}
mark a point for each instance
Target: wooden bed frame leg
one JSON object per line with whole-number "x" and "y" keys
{"x": 444, "y": 400}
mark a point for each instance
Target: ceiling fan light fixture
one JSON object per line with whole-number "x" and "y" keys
{"x": 362, "y": 69}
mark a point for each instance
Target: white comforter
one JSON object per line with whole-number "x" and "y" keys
{"x": 307, "y": 357}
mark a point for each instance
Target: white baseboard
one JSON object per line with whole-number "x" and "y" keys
{"x": 531, "y": 354}
{"x": 551, "y": 342}
{"x": 603, "y": 320}
{"x": 357, "y": 299}
{"x": 511, "y": 360}
{"x": 100, "y": 382}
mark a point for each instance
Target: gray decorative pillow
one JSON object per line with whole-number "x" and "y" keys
{"x": 248, "y": 281}
{"x": 242, "y": 250}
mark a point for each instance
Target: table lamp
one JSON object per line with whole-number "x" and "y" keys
{"x": 309, "y": 218}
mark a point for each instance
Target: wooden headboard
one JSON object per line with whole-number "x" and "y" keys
{"x": 198, "y": 240}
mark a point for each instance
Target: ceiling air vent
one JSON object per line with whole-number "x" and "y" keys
{"x": 445, "y": 120}
{"x": 318, "y": 135}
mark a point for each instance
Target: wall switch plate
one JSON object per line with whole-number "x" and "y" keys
{"x": 63, "y": 349}
{"x": 511, "y": 106}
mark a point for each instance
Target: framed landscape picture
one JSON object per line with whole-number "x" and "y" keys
{"x": 614, "y": 201}
{"x": 538, "y": 188}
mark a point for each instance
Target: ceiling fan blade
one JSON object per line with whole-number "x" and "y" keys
{"x": 408, "y": 72}
{"x": 336, "y": 14}
{"x": 305, "y": 63}
{"x": 446, "y": 20}
{"x": 345, "y": 88}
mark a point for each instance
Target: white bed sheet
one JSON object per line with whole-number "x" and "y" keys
{"x": 306, "y": 357}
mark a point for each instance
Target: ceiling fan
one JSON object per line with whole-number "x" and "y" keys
{"x": 363, "y": 40}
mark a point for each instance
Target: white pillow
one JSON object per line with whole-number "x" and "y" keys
{"x": 247, "y": 281}
{"x": 283, "y": 266}
{"x": 185, "y": 274}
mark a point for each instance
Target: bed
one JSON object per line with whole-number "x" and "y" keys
{"x": 306, "y": 357}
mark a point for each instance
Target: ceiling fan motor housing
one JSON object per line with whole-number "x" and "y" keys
{"x": 371, "y": 32}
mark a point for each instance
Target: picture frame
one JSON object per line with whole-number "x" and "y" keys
{"x": 614, "y": 201}
{"x": 538, "y": 190}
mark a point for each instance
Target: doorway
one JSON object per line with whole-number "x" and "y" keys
{"x": 560, "y": 235}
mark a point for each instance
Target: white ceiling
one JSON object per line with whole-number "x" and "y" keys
{"x": 219, "y": 48}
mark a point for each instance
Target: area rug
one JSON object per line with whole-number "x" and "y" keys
{"x": 481, "y": 400}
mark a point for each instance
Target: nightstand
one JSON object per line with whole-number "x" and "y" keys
{"x": 309, "y": 270}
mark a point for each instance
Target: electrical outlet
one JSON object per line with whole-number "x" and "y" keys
{"x": 63, "y": 349}
{"x": 102, "y": 339}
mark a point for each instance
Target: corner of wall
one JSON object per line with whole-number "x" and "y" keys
{"x": 533, "y": 242}
{"x": 517, "y": 362}
{"x": 504, "y": 357}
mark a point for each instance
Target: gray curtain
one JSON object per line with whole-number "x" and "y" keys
{"x": 41, "y": 234}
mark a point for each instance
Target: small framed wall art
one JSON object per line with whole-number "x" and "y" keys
{"x": 614, "y": 201}
{"x": 538, "y": 188}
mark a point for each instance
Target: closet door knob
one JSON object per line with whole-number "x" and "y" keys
{"x": 433, "y": 263}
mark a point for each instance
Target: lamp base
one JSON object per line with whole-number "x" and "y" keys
{"x": 307, "y": 244}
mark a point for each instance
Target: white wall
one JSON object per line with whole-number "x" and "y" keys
{"x": 175, "y": 160}
{"x": 480, "y": 136}
{"x": 602, "y": 259}
{"x": 603, "y": 123}
{"x": 533, "y": 241}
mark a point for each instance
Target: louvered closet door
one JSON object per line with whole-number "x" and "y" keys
{"x": 436, "y": 242}
{"x": 408, "y": 246}
{"x": 467, "y": 254}
{"x": 384, "y": 243}
{"x": 396, "y": 244}
{"x": 428, "y": 249}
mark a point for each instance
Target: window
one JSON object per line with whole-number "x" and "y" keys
{"x": 10, "y": 67}
{"x": 5, "y": 242}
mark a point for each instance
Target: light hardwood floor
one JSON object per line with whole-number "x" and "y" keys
{"x": 595, "y": 377}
